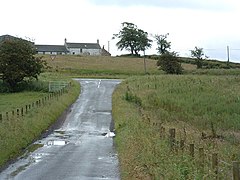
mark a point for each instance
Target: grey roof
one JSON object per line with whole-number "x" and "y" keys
{"x": 51, "y": 48}
{"x": 84, "y": 45}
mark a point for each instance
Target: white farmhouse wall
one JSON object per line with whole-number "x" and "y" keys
{"x": 92, "y": 52}
{"x": 74, "y": 51}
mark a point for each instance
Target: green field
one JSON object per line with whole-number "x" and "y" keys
{"x": 192, "y": 105}
{"x": 100, "y": 66}
{"x": 198, "y": 102}
{"x": 18, "y": 132}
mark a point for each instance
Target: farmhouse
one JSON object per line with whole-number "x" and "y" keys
{"x": 91, "y": 49}
{"x": 51, "y": 49}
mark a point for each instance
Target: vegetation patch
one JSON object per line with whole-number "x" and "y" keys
{"x": 24, "y": 129}
{"x": 203, "y": 110}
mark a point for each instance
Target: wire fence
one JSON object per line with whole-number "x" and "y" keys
{"x": 25, "y": 109}
{"x": 208, "y": 161}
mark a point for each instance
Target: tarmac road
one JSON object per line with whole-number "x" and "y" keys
{"x": 82, "y": 149}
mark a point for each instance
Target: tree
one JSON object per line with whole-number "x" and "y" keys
{"x": 198, "y": 54}
{"x": 163, "y": 45}
{"x": 169, "y": 63}
{"x": 132, "y": 39}
{"x": 17, "y": 62}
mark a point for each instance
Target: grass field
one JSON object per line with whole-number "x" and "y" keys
{"x": 101, "y": 66}
{"x": 194, "y": 103}
{"x": 18, "y": 132}
{"x": 191, "y": 104}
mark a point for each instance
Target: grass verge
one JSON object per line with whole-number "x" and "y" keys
{"x": 193, "y": 105}
{"x": 17, "y": 133}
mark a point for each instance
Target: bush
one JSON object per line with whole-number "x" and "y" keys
{"x": 17, "y": 62}
{"x": 169, "y": 63}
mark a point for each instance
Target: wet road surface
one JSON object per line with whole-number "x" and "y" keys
{"x": 82, "y": 149}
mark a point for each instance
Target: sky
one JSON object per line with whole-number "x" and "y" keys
{"x": 208, "y": 24}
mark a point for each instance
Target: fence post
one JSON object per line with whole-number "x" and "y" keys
{"x": 7, "y": 115}
{"x": 192, "y": 150}
{"x": 17, "y": 112}
{"x": 215, "y": 163}
{"x": 172, "y": 138}
{"x": 236, "y": 173}
{"x": 1, "y": 117}
{"x": 21, "y": 111}
{"x": 162, "y": 132}
{"x": 201, "y": 157}
{"x": 26, "y": 109}
{"x": 182, "y": 144}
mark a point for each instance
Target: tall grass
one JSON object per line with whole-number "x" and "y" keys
{"x": 191, "y": 104}
{"x": 100, "y": 66}
{"x": 18, "y": 132}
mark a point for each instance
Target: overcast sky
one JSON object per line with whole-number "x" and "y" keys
{"x": 210, "y": 24}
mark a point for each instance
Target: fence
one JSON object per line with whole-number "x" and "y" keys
{"x": 21, "y": 111}
{"x": 207, "y": 160}
{"x": 57, "y": 85}
{"x": 203, "y": 158}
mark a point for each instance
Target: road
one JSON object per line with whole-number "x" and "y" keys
{"x": 82, "y": 149}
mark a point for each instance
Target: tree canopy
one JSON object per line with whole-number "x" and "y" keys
{"x": 132, "y": 38}
{"x": 169, "y": 62}
{"x": 163, "y": 45}
{"x": 198, "y": 54}
{"x": 17, "y": 62}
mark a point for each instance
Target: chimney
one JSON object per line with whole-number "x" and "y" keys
{"x": 65, "y": 40}
{"x": 97, "y": 41}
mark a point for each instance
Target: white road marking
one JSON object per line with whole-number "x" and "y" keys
{"x": 99, "y": 83}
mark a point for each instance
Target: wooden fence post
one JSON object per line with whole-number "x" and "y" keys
{"x": 1, "y": 117}
{"x": 236, "y": 173}
{"x": 192, "y": 150}
{"x": 26, "y": 108}
{"x": 182, "y": 144}
{"x": 17, "y": 112}
{"x": 162, "y": 132}
{"x": 172, "y": 138}
{"x": 215, "y": 163}
{"x": 22, "y": 112}
{"x": 201, "y": 157}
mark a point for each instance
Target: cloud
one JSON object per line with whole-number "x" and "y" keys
{"x": 186, "y": 4}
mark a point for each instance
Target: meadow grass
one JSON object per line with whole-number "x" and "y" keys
{"x": 100, "y": 65}
{"x": 191, "y": 104}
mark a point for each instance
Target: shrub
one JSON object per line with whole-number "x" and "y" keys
{"x": 169, "y": 63}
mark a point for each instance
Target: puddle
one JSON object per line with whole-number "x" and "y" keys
{"x": 35, "y": 158}
{"x": 109, "y": 134}
{"x": 56, "y": 143}
{"x": 59, "y": 132}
